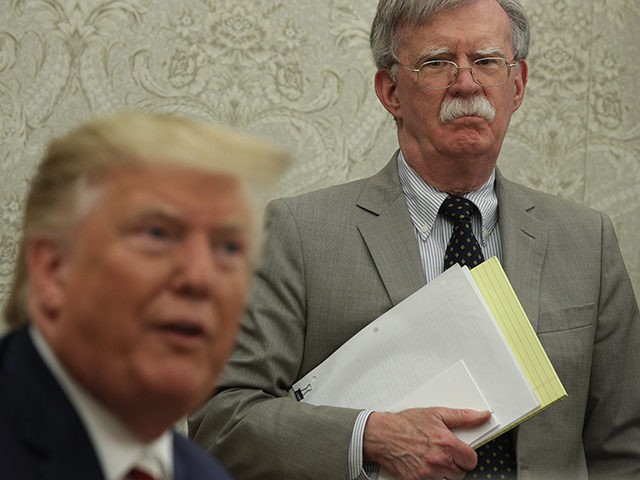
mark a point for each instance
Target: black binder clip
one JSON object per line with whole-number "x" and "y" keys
{"x": 300, "y": 393}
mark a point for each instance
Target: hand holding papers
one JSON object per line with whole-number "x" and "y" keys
{"x": 451, "y": 323}
{"x": 454, "y": 388}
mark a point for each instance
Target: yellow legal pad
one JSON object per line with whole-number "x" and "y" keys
{"x": 516, "y": 328}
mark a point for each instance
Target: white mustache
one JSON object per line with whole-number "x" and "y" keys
{"x": 477, "y": 106}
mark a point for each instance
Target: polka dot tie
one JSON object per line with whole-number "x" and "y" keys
{"x": 463, "y": 247}
{"x": 496, "y": 460}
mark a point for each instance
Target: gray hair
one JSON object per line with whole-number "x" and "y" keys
{"x": 395, "y": 14}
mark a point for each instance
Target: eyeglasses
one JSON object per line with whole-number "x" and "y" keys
{"x": 440, "y": 74}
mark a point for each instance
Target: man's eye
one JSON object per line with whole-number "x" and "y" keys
{"x": 157, "y": 232}
{"x": 435, "y": 64}
{"x": 231, "y": 247}
{"x": 152, "y": 238}
{"x": 231, "y": 253}
{"x": 489, "y": 62}
{"x": 158, "y": 235}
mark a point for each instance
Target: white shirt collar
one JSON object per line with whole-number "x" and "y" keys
{"x": 117, "y": 448}
{"x": 424, "y": 200}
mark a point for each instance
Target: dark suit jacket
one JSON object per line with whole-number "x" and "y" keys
{"x": 337, "y": 258}
{"x": 41, "y": 435}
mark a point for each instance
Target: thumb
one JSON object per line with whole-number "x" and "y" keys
{"x": 464, "y": 417}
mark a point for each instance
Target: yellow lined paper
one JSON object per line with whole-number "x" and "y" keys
{"x": 512, "y": 320}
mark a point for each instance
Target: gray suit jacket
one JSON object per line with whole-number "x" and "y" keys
{"x": 336, "y": 259}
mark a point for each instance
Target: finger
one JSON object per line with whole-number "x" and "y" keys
{"x": 452, "y": 475}
{"x": 454, "y": 472}
{"x": 463, "y": 417}
{"x": 464, "y": 457}
{"x": 464, "y": 462}
{"x": 448, "y": 464}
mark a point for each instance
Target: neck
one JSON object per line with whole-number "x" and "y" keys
{"x": 149, "y": 415}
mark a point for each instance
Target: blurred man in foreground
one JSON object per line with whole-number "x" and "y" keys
{"x": 138, "y": 245}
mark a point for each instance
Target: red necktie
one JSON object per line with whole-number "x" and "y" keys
{"x": 137, "y": 474}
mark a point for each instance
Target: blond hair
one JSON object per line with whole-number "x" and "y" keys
{"x": 122, "y": 141}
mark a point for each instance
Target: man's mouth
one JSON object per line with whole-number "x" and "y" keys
{"x": 188, "y": 329}
{"x": 184, "y": 334}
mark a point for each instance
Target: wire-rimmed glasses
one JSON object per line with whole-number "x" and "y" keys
{"x": 440, "y": 74}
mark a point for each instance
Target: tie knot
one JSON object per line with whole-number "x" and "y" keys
{"x": 148, "y": 466}
{"x": 457, "y": 208}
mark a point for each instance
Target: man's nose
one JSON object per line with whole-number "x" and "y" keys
{"x": 464, "y": 81}
{"x": 195, "y": 272}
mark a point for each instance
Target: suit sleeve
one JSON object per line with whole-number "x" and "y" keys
{"x": 252, "y": 426}
{"x": 612, "y": 425}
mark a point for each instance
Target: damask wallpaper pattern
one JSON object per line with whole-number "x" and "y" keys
{"x": 300, "y": 73}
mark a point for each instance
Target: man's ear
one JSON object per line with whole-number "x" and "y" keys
{"x": 46, "y": 262}
{"x": 522, "y": 72}
{"x": 386, "y": 91}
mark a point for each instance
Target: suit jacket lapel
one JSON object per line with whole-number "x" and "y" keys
{"x": 179, "y": 470}
{"x": 524, "y": 242}
{"x": 389, "y": 234}
{"x": 390, "y": 238}
{"x": 50, "y": 426}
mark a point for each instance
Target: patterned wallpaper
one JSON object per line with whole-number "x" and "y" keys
{"x": 302, "y": 76}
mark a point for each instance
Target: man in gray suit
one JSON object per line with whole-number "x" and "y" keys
{"x": 451, "y": 73}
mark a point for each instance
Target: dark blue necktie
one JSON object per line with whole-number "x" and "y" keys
{"x": 496, "y": 459}
{"x": 463, "y": 247}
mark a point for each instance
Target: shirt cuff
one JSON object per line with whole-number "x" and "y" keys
{"x": 358, "y": 469}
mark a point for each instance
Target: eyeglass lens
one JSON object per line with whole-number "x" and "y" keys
{"x": 487, "y": 72}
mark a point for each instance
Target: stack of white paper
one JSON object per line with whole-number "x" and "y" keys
{"x": 439, "y": 347}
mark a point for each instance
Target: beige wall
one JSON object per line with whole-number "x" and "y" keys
{"x": 303, "y": 76}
